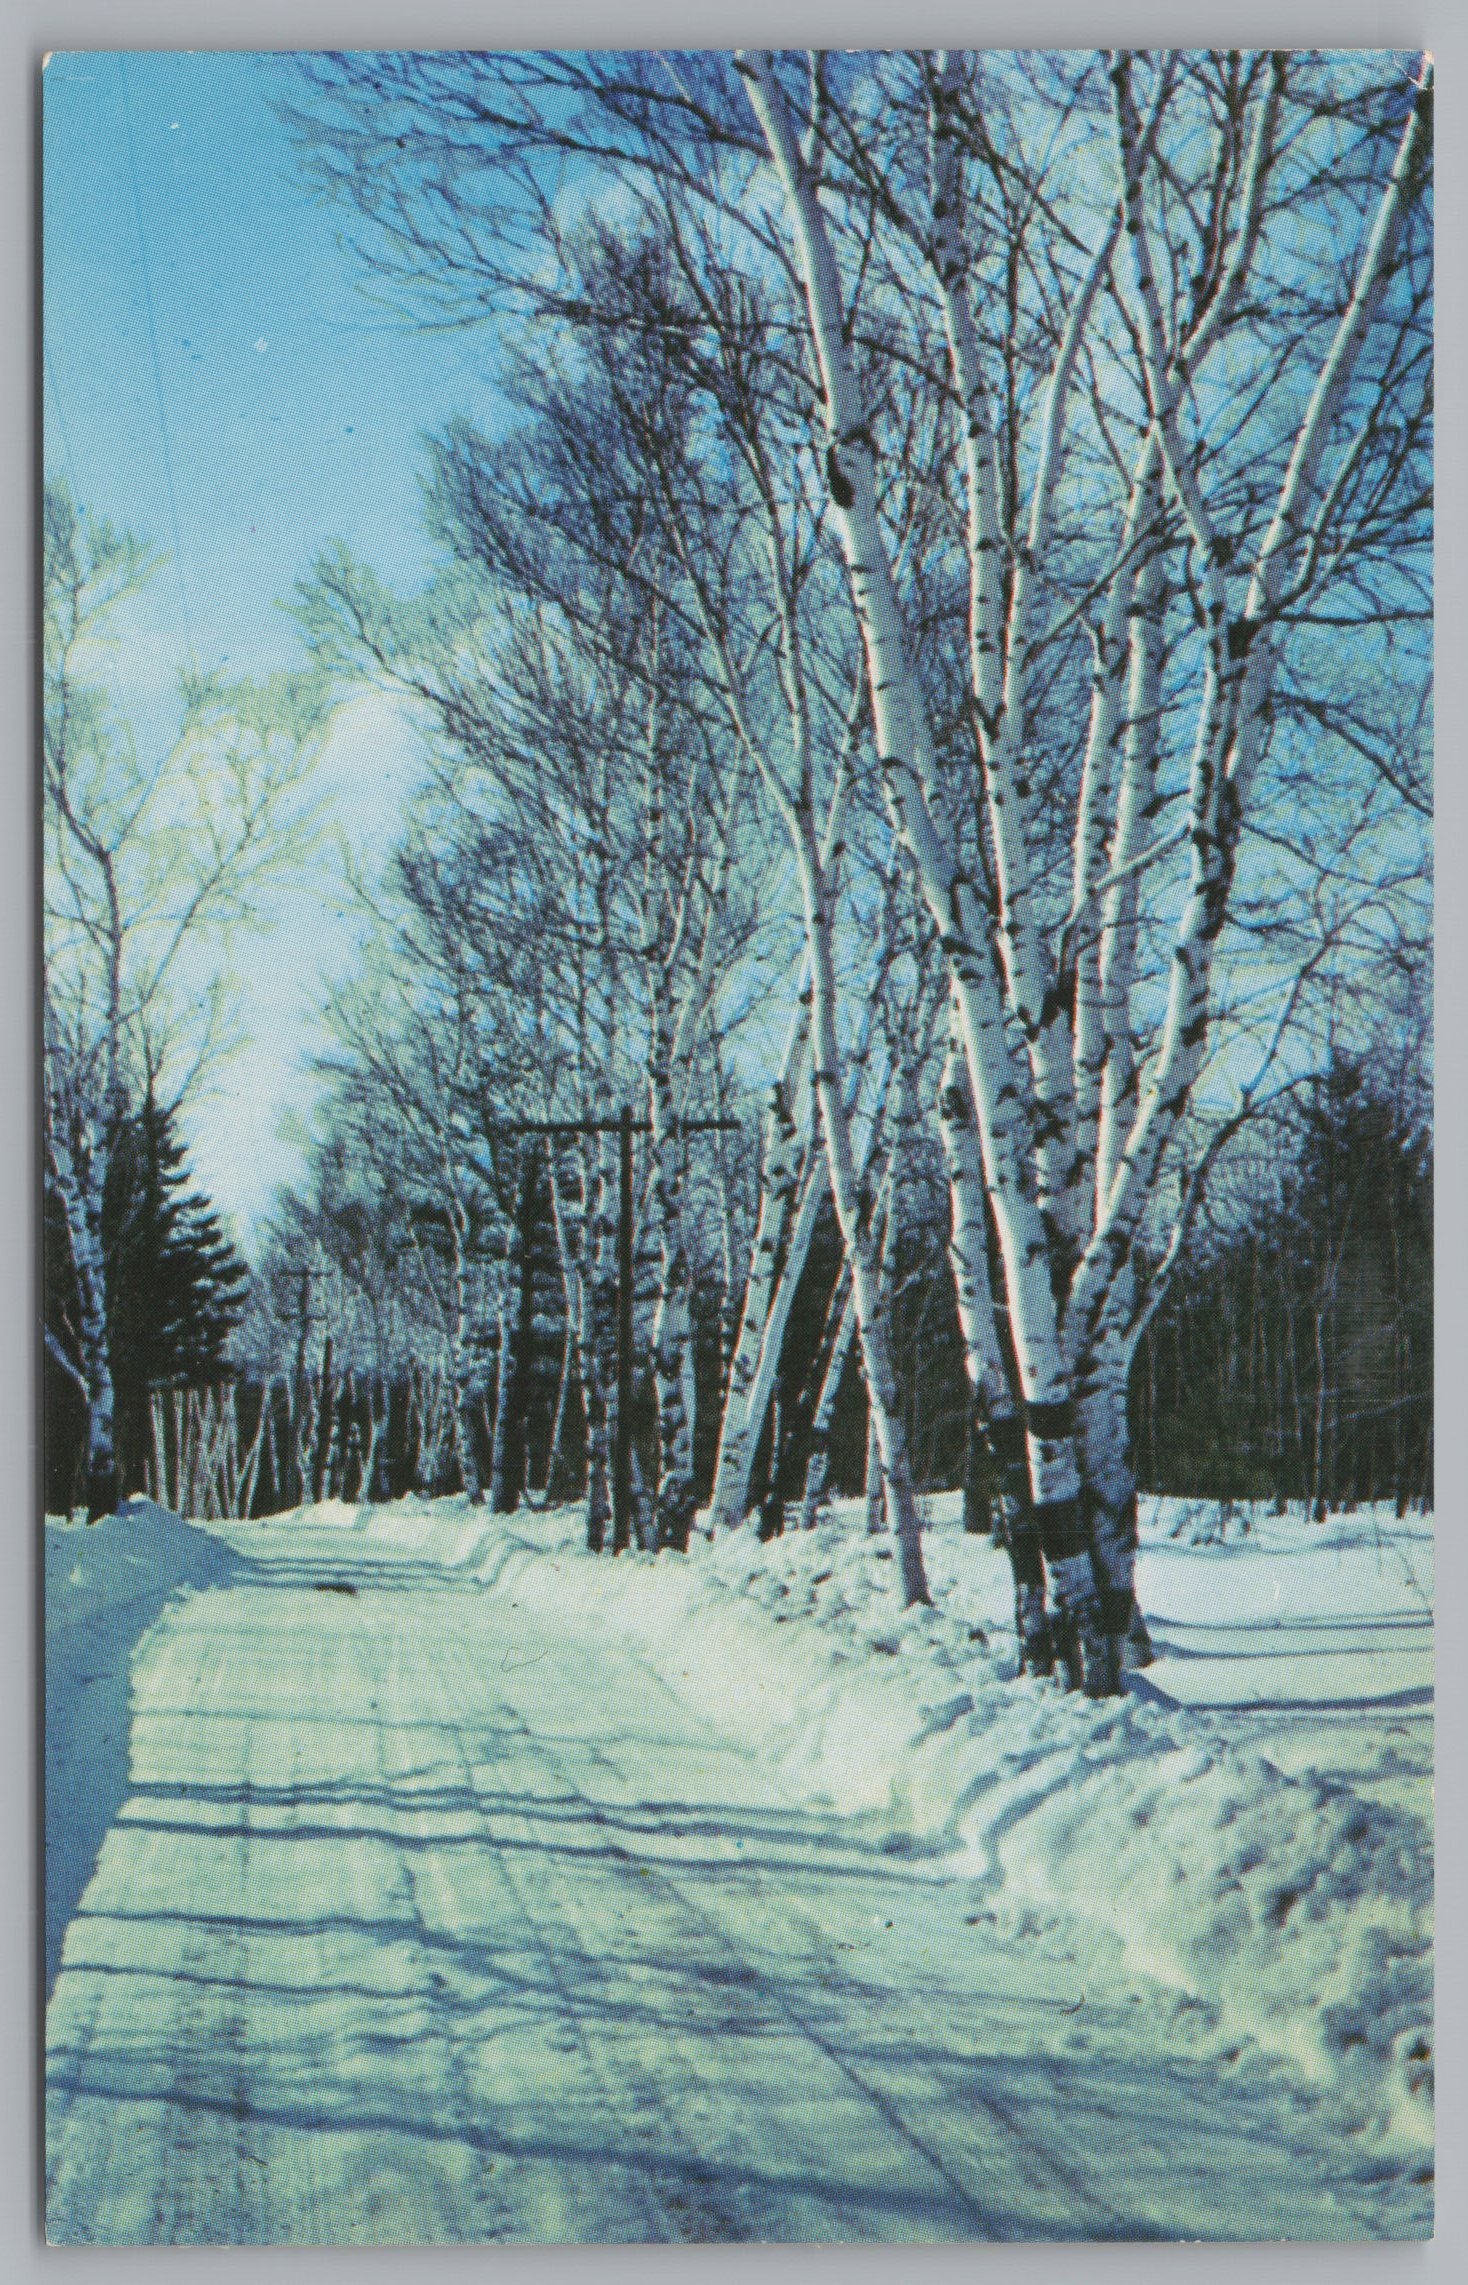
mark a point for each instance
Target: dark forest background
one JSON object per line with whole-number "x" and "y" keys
{"x": 1290, "y": 1360}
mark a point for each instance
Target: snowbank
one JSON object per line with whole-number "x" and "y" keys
{"x": 1251, "y": 1824}
{"x": 1296, "y": 1910}
{"x": 105, "y": 1585}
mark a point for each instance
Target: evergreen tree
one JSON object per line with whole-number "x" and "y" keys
{"x": 176, "y": 1289}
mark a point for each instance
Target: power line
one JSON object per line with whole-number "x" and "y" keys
{"x": 178, "y": 566}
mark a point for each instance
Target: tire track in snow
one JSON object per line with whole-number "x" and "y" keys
{"x": 1332, "y": 2210}
{"x": 491, "y": 2217}
{"x": 1043, "y": 2164}
{"x": 746, "y": 1982}
{"x": 359, "y": 1661}
{"x": 1038, "y": 2162}
{"x": 1213, "y": 2136}
{"x": 1070, "y": 2087}
{"x": 680, "y": 2205}
{"x": 697, "y": 1921}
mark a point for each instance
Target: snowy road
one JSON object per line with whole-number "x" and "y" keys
{"x": 426, "y": 1920}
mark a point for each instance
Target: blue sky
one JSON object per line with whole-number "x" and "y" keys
{"x": 291, "y": 411}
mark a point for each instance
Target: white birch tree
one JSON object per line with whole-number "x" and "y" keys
{"x": 1108, "y": 377}
{"x": 1067, "y": 1241}
{"x": 155, "y": 845}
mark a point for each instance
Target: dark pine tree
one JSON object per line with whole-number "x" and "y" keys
{"x": 175, "y": 1292}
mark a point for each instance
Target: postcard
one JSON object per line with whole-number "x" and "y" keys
{"x": 738, "y": 1144}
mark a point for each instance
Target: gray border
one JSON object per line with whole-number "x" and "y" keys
{"x": 27, "y": 30}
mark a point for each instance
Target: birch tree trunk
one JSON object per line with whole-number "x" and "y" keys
{"x": 837, "y": 1357}
{"x": 1237, "y": 694}
{"x": 303, "y": 1447}
{"x": 994, "y": 1421}
{"x": 839, "y": 1331}
{"x": 672, "y": 1332}
{"x": 579, "y": 1248}
{"x": 79, "y": 1177}
{"x": 576, "y": 1243}
{"x": 461, "y": 1369}
{"x": 1110, "y": 1480}
{"x": 872, "y": 1489}
{"x": 854, "y": 1215}
{"x": 779, "y": 1179}
{"x": 499, "y": 1431}
{"x": 671, "y": 1347}
{"x": 513, "y": 1467}
{"x": 764, "y": 1379}
{"x": 553, "y": 1460}
{"x": 908, "y": 762}
{"x": 599, "y": 1354}
{"x": 884, "y": 1249}
{"x": 325, "y": 1424}
{"x": 728, "y": 1307}
{"x": 249, "y": 1473}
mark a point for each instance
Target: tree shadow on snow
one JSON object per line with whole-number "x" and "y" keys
{"x": 88, "y": 1665}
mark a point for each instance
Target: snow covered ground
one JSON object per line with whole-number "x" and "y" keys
{"x": 468, "y": 1887}
{"x": 104, "y": 1589}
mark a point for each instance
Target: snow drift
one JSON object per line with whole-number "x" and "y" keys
{"x": 106, "y": 1583}
{"x": 1297, "y": 1911}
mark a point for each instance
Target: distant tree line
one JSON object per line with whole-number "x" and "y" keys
{"x": 1292, "y": 1359}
